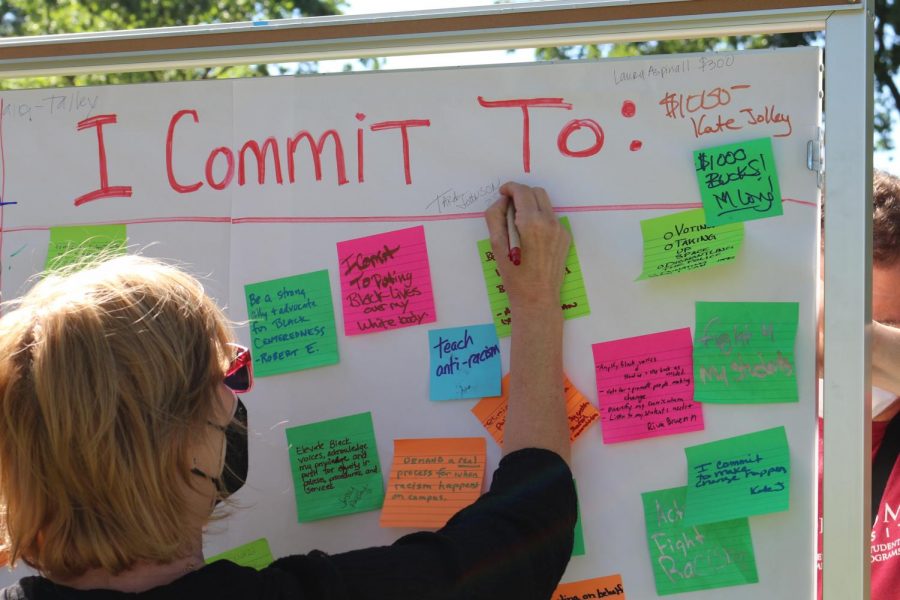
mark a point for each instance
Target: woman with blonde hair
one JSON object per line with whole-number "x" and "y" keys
{"x": 121, "y": 428}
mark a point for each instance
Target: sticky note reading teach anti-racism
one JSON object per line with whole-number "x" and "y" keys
{"x": 291, "y": 323}
{"x": 491, "y": 411}
{"x": 683, "y": 242}
{"x": 738, "y": 477}
{"x": 335, "y": 467}
{"x": 744, "y": 352}
{"x": 738, "y": 182}
{"x": 465, "y": 362}
{"x": 572, "y": 296}
{"x": 431, "y": 479}
{"x": 599, "y": 587}
{"x": 645, "y": 386}
{"x": 255, "y": 554}
{"x": 385, "y": 281}
{"x": 77, "y": 244}
{"x": 687, "y": 558}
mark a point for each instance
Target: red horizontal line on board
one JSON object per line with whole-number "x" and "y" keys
{"x": 379, "y": 219}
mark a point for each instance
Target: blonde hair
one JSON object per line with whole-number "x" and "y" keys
{"x": 108, "y": 376}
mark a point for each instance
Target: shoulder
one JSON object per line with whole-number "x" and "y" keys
{"x": 13, "y": 592}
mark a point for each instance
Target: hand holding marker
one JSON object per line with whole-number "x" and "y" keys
{"x": 515, "y": 249}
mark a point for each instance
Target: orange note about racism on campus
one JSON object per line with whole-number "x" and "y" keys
{"x": 491, "y": 411}
{"x": 598, "y": 587}
{"x": 431, "y": 479}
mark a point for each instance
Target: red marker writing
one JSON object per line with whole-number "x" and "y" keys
{"x": 515, "y": 250}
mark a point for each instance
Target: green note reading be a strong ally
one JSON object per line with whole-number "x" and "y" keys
{"x": 684, "y": 242}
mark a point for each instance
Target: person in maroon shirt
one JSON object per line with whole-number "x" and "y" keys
{"x": 885, "y": 537}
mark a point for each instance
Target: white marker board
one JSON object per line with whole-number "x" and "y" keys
{"x": 255, "y": 232}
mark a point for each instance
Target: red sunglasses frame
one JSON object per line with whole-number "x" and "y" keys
{"x": 234, "y": 379}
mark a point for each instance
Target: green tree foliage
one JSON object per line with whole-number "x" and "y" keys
{"x": 47, "y": 17}
{"x": 887, "y": 58}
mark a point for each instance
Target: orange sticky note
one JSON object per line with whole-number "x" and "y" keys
{"x": 431, "y": 479}
{"x": 491, "y": 411}
{"x": 599, "y": 587}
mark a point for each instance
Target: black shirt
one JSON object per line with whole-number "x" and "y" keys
{"x": 514, "y": 542}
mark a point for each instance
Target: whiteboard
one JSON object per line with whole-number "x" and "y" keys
{"x": 247, "y": 233}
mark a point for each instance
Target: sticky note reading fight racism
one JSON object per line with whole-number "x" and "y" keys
{"x": 684, "y": 242}
{"x": 255, "y": 554}
{"x": 491, "y": 411}
{"x": 572, "y": 297}
{"x": 687, "y": 558}
{"x": 386, "y": 281}
{"x": 465, "y": 362}
{"x": 291, "y": 323}
{"x": 645, "y": 386}
{"x": 78, "y": 244}
{"x": 738, "y": 182}
{"x": 335, "y": 467}
{"x": 744, "y": 352}
{"x": 738, "y": 477}
{"x": 431, "y": 479}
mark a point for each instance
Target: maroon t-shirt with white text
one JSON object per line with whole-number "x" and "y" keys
{"x": 885, "y": 538}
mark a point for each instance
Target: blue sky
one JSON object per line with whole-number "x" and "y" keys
{"x": 882, "y": 160}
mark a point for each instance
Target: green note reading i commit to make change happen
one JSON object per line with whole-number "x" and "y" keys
{"x": 684, "y": 242}
{"x": 738, "y": 477}
{"x": 572, "y": 296}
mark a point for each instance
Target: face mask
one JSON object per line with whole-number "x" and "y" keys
{"x": 881, "y": 400}
{"x": 236, "y": 467}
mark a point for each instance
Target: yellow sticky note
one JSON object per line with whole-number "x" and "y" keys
{"x": 431, "y": 479}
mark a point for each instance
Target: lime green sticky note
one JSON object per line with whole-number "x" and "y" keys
{"x": 572, "y": 296}
{"x": 292, "y": 323}
{"x": 335, "y": 467}
{"x": 578, "y": 546}
{"x": 683, "y": 242}
{"x": 77, "y": 244}
{"x": 687, "y": 558}
{"x": 738, "y": 182}
{"x": 738, "y": 477}
{"x": 744, "y": 352}
{"x": 256, "y": 554}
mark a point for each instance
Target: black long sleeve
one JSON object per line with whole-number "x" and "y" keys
{"x": 513, "y": 542}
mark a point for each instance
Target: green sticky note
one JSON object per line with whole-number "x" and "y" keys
{"x": 255, "y": 554}
{"x": 744, "y": 352}
{"x": 292, "y": 323}
{"x": 684, "y": 242}
{"x": 78, "y": 244}
{"x": 687, "y": 558}
{"x": 335, "y": 467}
{"x": 572, "y": 296}
{"x": 738, "y": 182}
{"x": 578, "y": 546}
{"x": 738, "y": 477}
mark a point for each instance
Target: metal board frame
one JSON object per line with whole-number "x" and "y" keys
{"x": 848, "y": 90}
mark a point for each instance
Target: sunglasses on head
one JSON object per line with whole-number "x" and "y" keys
{"x": 239, "y": 376}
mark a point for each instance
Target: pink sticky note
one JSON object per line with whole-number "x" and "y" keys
{"x": 645, "y": 386}
{"x": 385, "y": 281}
